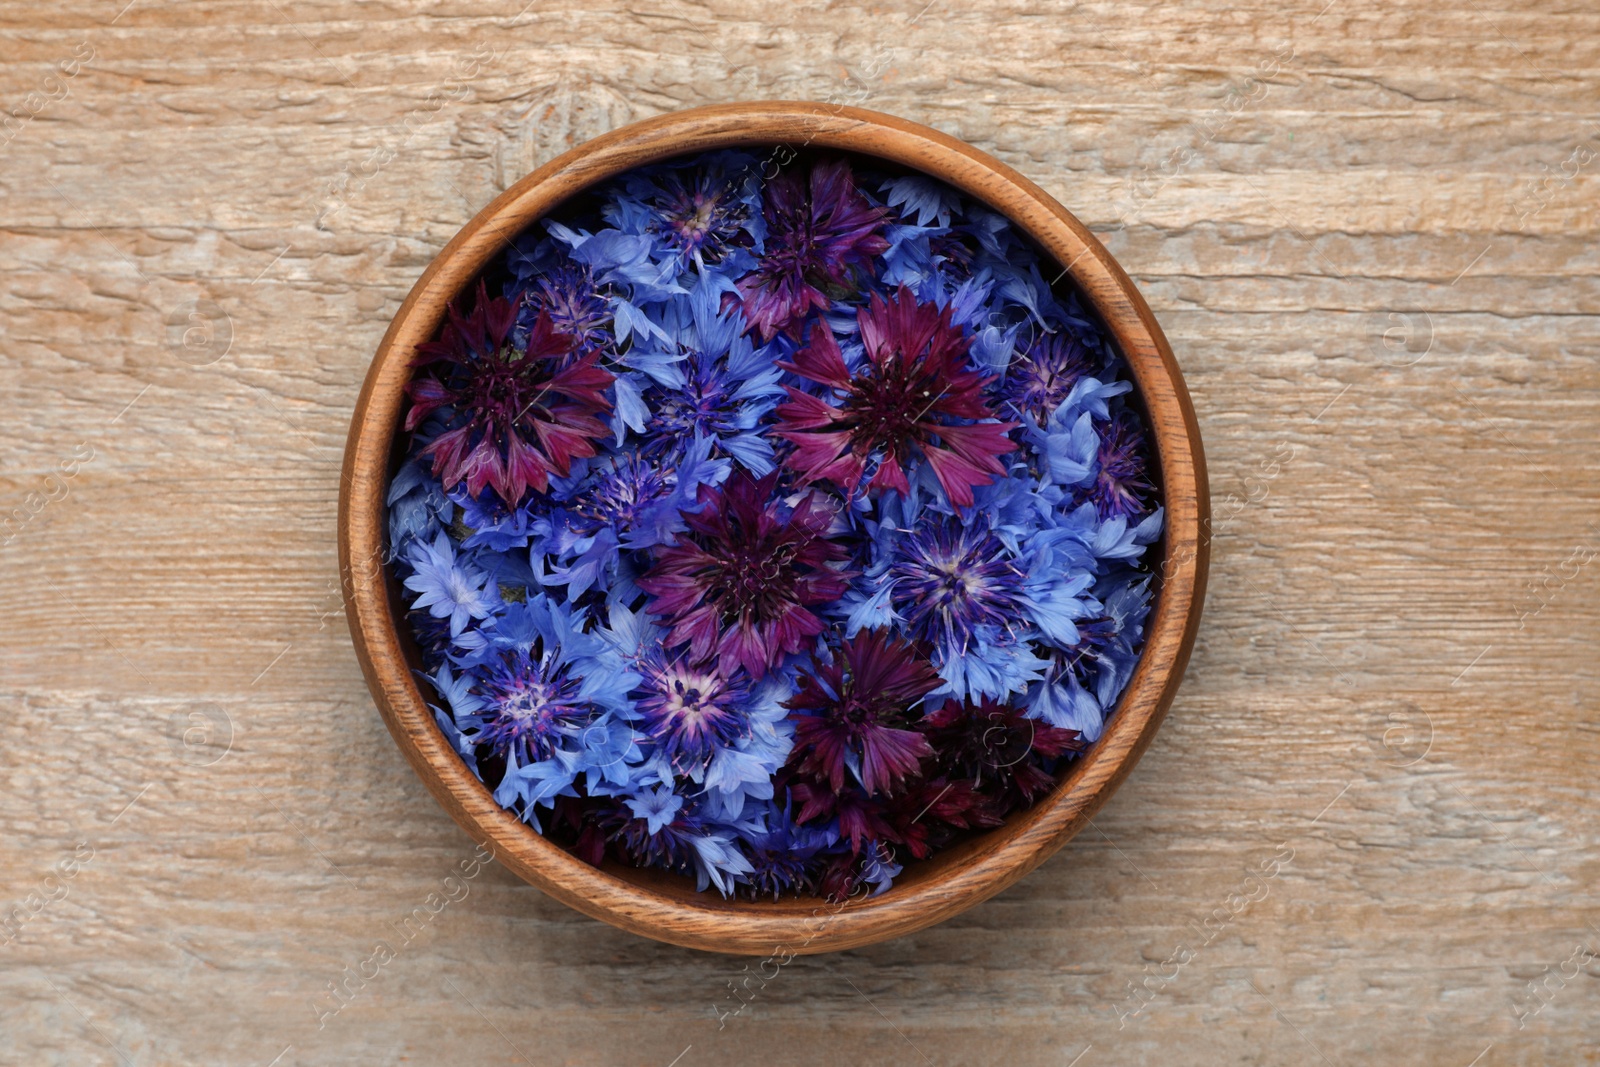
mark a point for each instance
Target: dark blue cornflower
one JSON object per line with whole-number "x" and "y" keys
{"x": 701, "y": 214}
{"x": 950, "y": 579}
{"x": 575, "y": 304}
{"x": 625, "y": 503}
{"x": 780, "y": 856}
{"x": 691, "y": 710}
{"x": 493, "y": 524}
{"x": 622, "y": 495}
{"x": 685, "y": 843}
{"x": 417, "y": 504}
{"x": 532, "y": 706}
{"x": 1040, "y": 379}
{"x": 710, "y": 381}
{"x": 1121, "y": 482}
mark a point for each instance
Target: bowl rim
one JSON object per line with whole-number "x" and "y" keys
{"x": 665, "y": 907}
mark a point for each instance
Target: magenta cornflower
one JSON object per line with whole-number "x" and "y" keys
{"x": 860, "y": 817}
{"x": 740, "y": 583}
{"x": 530, "y": 409}
{"x": 860, "y": 709}
{"x": 915, "y": 393}
{"x": 818, "y": 229}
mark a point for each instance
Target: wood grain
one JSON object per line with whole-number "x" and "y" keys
{"x": 1370, "y": 637}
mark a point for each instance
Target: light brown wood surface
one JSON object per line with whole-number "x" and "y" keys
{"x": 1299, "y": 191}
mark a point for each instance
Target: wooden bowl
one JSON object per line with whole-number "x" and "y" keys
{"x": 665, "y": 906}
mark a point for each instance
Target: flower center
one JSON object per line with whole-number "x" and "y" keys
{"x": 532, "y": 702}
{"x": 888, "y": 401}
{"x": 758, "y": 580}
{"x": 950, "y": 581}
{"x": 696, "y": 222}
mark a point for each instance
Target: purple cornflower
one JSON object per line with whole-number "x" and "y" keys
{"x": 740, "y": 583}
{"x": 857, "y": 710}
{"x": 1121, "y": 483}
{"x": 904, "y": 399}
{"x": 999, "y": 749}
{"x": 950, "y": 579}
{"x": 1040, "y": 379}
{"x": 529, "y": 410}
{"x": 690, "y": 711}
{"x": 818, "y": 228}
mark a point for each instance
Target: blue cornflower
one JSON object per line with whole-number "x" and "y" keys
{"x": 994, "y": 664}
{"x": 627, "y": 502}
{"x": 932, "y": 203}
{"x": 1120, "y": 482}
{"x": 951, "y": 579}
{"x": 554, "y": 702}
{"x": 1067, "y": 440}
{"x": 658, "y": 807}
{"x": 455, "y": 693}
{"x": 417, "y": 503}
{"x": 495, "y": 525}
{"x": 710, "y": 382}
{"x": 447, "y": 590}
{"x": 1113, "y": 539}
{"x": 780, "y": 854}
{"x": 625, "y": 261}
{"x": 625, "y": 494}
{"x": 533, "y": 706}
{"x": 878, "y": 868}
{"x": 1108, "y": 645}
{"x": 702, "y": 214}
{"x": 1063, "y": 702}
{"x": 575, "y": 304}
{"x": 687, "y": 844}
{"x": 691, "y": 711}
{"x": 1055, "y": 585}
{"x": 1040, "y": 380}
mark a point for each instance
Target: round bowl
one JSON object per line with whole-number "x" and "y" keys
{"x": 664, "y": 906}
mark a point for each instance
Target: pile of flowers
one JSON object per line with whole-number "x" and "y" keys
{"x": 774, "y": 526}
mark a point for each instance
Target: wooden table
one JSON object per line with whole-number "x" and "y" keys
{"x": 1369, "y": 231}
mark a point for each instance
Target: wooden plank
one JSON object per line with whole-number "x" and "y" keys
{"x": 1377, "y": 592}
